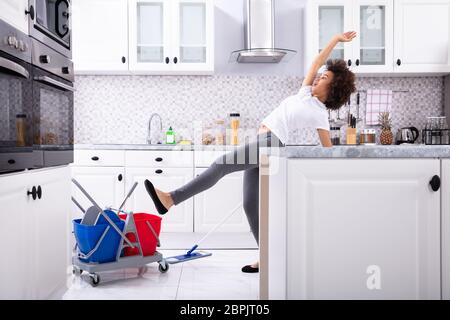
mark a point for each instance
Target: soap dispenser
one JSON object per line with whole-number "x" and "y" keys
{"x": 170, "y": 136}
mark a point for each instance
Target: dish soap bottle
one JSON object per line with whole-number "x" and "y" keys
{"x": 170, "y": 136}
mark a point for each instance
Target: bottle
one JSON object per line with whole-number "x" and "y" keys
{"x": 234, "y": 122}
{"x": 170, "y": 136}
{"x": 20, "y": 130}
{"x": 220, "y": 132}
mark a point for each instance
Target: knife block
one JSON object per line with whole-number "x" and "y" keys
{"x": 351, "y": 136}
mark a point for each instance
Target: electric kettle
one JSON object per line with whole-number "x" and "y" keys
{"x": 407, "y": 135}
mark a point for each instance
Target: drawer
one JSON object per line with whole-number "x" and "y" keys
{"x": 161, "y": 159}
{"x": 205, "y": 158}
{"x": 100, "y": 158}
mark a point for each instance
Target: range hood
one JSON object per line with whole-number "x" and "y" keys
{"x": 260, "y": 35}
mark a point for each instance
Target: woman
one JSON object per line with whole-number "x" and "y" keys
{"x": 306, "y": 109}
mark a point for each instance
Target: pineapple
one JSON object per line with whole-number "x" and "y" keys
{"x": 386, "y": 136}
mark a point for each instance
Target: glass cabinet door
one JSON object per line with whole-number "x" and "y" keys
{"x": 148, "y": 34}
{"x": 331, "y": 22}
{"x": 373, "y": 47}
{"x": 193, "y": 29}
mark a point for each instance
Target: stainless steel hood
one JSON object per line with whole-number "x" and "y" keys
{"x": 260, "y": 35}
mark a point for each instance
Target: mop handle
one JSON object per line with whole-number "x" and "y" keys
{"x": 218, "y": 225}
{"x": 128, "y": 196}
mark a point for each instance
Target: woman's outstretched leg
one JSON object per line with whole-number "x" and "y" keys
{"x": 242, "y": 158}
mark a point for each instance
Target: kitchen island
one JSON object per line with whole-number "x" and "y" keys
{"x": 355, "y": 222}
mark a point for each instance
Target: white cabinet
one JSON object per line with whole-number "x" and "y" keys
{"x": 422, "y": 36}
{"x": 104, "y": 184}
{"x": 100, "y": 36}
{"x": 13, "y": 12}
{"x": 15, "y": 238}
{"x": 445, "y": 229}
{"x": 171, "y": 37}
{"x": 50, "y": 220}
{"x": 373, "y": 47}
{"x": 391, "y": 34}
{"x": 212, "y": 205}
{"x": 324, "y": 19}
{"x": 34, "y": 233}
{"x": 180, "y": 217}
{"x": 362, "y": 229}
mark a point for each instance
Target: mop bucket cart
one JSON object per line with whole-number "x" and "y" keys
{"x": 108, "y": 239}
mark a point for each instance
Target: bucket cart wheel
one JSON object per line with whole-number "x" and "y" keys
{"x": 77, "y": 271}
{"x": 163, "y": 266}
{"x": 94, "y": 279}
{"x": 142, "y": 270}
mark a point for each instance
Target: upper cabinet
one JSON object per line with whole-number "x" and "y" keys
{"x": 100, "y": 36}
{"x": 422, "y": 36}
{"x": 13, "y": 12}
{"x": 391, "y": 38}
{"x": 171, "y": 36}
{"x": 144, "y": 36}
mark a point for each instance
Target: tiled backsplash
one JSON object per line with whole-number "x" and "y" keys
{"x": 116, "y": 109}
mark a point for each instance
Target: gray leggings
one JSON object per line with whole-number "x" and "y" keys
{"x": 246, "y": 158}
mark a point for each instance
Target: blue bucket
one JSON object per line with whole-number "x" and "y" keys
{"x": 88, "y": 236}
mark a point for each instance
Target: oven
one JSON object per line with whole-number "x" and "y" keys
{"x": 16, "y": 113}
{"x": 53, "y": 77}
{"x": 50, "y": 23}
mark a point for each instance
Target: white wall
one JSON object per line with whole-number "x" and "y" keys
{"x": 229, "y": 36}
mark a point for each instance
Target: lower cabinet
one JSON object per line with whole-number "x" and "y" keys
{"x": 35, "y": 207}
{"x": 445, "y": 229}
{"x": 180, "y": 217}
{"x": 106, "y": 186}
{"x": 363, "y": 229}
{"x": 211, "y": 206}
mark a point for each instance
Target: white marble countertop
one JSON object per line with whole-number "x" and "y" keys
{"x": 364, "y": 151}
{"x": 300, "y": 151}
{"x": 154, "y": 147}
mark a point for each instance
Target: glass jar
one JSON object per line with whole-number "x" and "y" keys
{"x": 21, "y": 130}
{"x": 335, "y": 135}
{"x": 207, "y": 135}
{"x": 219, "y": 132}
{"x": 234, "y": 123}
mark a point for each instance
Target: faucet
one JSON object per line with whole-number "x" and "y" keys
{"x": 149, "y": 132}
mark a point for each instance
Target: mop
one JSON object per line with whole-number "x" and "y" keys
{"x": 191, "y": 255}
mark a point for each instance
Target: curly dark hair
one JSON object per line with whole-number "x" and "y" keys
{"x": 342, "y": 85}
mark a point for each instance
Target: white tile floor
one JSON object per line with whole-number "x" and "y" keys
{"x": 212, "y": 278}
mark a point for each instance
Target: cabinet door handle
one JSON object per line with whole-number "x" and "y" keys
{"x": 435, "y": 183}
{"x": 175, "y": 60}
{"x": 39, "y": 192}
{"x": 95, "y": 158}
{"x": 124, "y": 59}
{"x": 11, "y": 161}
{"x": 159, "y": 159}
{"x": 120, "y": 177}
{"x": 399, "y": 62}
{"x": 32, "y": 193}
{"x": 30, "y": 12}
{"x": 158, "y": 171}
{"x": 349, "y": 62}
{"x": 357, "y": 62}
{"x": 167, "y": 60}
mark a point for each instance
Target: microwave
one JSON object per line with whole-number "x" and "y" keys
{"x": 50, "y": 23}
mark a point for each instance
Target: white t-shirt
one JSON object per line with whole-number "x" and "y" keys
{"x": 299, "y": 111}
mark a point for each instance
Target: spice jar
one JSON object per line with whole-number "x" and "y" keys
{"x": 220, "y": 132}
{"x": 335, "y": 135}
{"x": 21, "y": 130}
{"x": 234, "y": 123}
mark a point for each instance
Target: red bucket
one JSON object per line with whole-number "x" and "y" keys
{"x": 146, "y": 237}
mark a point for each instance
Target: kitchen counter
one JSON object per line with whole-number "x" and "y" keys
{"x": 164, "y": 147}
{"x": 376, "y": 151}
